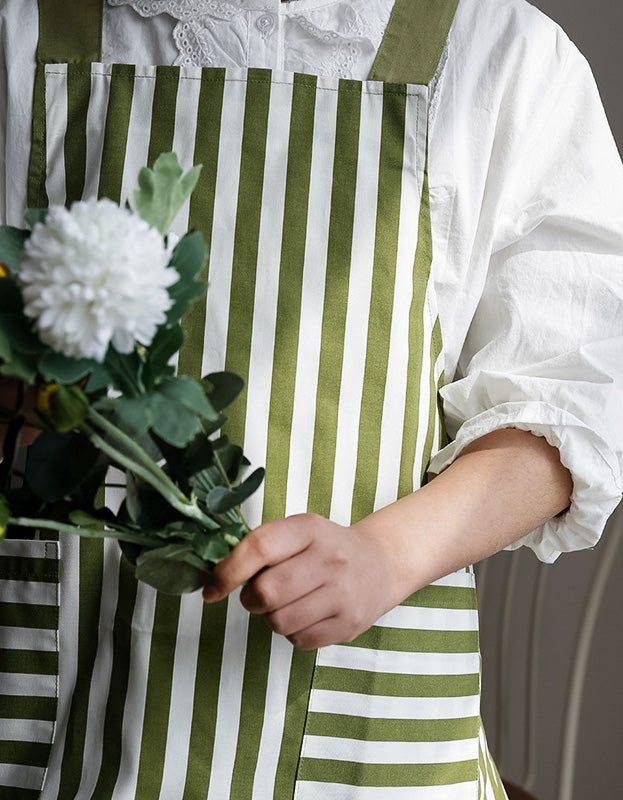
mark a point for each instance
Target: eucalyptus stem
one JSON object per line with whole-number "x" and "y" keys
{"x": 151, "y": 474}
{"x": 90, "y": 532}
{"x": 135, "y": 451}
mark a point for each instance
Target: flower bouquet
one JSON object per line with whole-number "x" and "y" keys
{"x": 90, "y": 305}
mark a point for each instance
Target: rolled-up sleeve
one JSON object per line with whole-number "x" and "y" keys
{"x": 544, "y": 352}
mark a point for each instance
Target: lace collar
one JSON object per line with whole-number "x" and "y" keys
{"x": 326, "y": 37}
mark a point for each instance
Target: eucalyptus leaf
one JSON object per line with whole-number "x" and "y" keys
{"x": 165, "y": 344}
{"x": 12, "y": 247}
{"x": 231, "y": 457}
{"x": 222, "y": 499}
{"x": 173, "y": 422}
{"x": 35, "y": 215}
{"x": 57, "y": 463}
{"x": 163, "y": 191}
{"x": 86, "y": 492}
{"x": 189, "y": 393}
{"x": 131, "y": 551}
{"x": 23, "y": 339}
{"x": 222, "y": 388}
{"x": 153, "y": 511}
{"x": 173, "y": 569}
{"x": 125, "y": 370}
{"x": 99, "y": 379}
{"x": 64, "y": 369}
{"x": 22, "y": 367}
{"x": 187, "y": 461}
{"x": 135, "y": 414}
{"x": 211, "y": 546}
{"x": 188, "y": 258}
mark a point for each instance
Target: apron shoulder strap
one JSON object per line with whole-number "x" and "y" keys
{"x": 409, "y": 53}
{"x": 414, "y": 40}
{"x": 70, "y": 31}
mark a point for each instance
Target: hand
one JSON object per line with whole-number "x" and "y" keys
{"x": 320, "y": 583}
{"x": 317, "y": 582}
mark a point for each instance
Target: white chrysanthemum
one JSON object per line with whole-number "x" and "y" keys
{"x": 95, "y": 275}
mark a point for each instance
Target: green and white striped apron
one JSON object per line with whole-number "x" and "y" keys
{"x": 314, "y": 201}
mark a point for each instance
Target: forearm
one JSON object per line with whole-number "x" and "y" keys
{"x": 499, "y": 489}
{"x": 320, "y": 583}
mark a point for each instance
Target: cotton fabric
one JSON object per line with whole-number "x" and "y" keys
{"x": 526, "y": 190}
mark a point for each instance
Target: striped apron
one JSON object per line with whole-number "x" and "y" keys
{"x": 314, "y": 201}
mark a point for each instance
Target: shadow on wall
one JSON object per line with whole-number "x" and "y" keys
{"x": 595, "y": 28}
{"x": 552, "y": 664}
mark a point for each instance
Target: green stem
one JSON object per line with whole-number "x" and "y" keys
{"x": 135, "y": 451}
{"x": 236, "y": 509}
{"x": 151, "y": 474}
{"x": 91, "y": 533}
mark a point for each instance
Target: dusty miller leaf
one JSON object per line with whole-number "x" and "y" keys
{"x": 163, "y": 191}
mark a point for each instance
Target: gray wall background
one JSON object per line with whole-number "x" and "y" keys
{"x": 595, "y": 26}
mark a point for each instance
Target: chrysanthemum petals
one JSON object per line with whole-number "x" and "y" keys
{"x": 93, "y": 275}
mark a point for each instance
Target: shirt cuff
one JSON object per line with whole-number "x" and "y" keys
{"x": 593, "y": 466}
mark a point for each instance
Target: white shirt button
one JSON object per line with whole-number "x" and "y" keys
{"x": 265, "y": 24}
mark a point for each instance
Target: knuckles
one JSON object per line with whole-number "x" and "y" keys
{"x": 259, "y": 595}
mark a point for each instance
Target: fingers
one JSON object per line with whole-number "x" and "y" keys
{"x": 265, "y": 546}
{"x": 304, "y": 612}
{"x": 279, "y": 586}
{"x": 320, "y": 634}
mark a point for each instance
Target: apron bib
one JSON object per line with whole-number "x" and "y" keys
{"x": 314, "y": 201}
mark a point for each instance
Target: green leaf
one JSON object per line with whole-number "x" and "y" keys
{"x": 22, "y": 367}
{"x": 222, "y": 388}
{"x": 173, "y": 422}
{"x": 163, "y": 191}
{"x": 4, "y": 516}
{"x": 58, "y": 463}
{"x": 12, "y": 247}
{"x": 186, "y": 461}
{"x": 11, "y": 300}
{"x": 173, "y": 569}
{"x": 126, "y": 372}
{"x": 84, "y": 520}
{"x": 34, "y": 215}
{"x": 86, "y": 493}
{"x": 132, "y": 502}
{"x": 165, "y": 344}
{"x": 231, "y": 457}
{"x": 134, "y": 414}
{"x": 99, "y": 379}
{"x": 23, "y": 338}
{"x": 222, "y": 499}
{"x": 188, "y": 393}
{"x": 131, "y": 551}
{"x": 188, "y": 258}
{"x": 64, "y": 369}
{"x": 211, "y": 546}
{"x": 6, "y": 351}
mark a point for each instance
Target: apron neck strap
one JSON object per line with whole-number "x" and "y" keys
{"x": 75, "y": 36}
{"x": 414, "y": 40}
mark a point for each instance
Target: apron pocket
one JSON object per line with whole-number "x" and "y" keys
{"x": 29, "y": 595}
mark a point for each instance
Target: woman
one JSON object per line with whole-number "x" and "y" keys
{"x": 469, "y": 193}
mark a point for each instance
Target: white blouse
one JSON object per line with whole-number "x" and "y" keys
{"x": 526, "y": 202}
